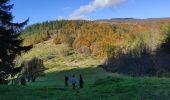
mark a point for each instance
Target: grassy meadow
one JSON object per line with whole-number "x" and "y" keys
{"x": 99, "y": 85}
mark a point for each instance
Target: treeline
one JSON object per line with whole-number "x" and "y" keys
{"x": 43, "y": 31}
{"x": 147, "y": 61}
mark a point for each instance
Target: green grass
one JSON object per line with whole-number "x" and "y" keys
{"x": 128, "y": 88}
{"x": 99, "y": 85}
{"x": 52, "y": 85}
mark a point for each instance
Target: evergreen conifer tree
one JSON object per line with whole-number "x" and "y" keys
{"x": 10, "y": 42}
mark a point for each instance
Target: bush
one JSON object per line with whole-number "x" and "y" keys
{"x": 66, "y": 52}
{"x": 70, "y": 41}
{"x": 85, "y": 50}
{"x": 57, "y": 40}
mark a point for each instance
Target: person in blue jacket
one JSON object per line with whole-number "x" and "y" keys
{"x": 73, "y": 81}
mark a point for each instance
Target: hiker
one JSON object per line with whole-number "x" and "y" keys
{"x": 73, "y": 81}
{"x": 81, "y": 81}
{"x": 23, "y": 81}
{"x": 66, "y": 81}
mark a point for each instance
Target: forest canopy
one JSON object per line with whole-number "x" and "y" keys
{"x": 99, "y": 38}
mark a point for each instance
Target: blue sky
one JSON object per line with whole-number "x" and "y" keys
{"x": 43, "y": 10}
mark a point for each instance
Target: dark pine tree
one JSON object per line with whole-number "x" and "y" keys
{"x": 10, "y": 42}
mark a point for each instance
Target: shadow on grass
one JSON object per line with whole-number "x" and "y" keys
{"x": 90, "y": 75}
{"x": 52, "y": 85}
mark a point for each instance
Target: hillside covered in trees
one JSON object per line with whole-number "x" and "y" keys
{"x": 117, "y": 40}
{"x": 75, "y": 58}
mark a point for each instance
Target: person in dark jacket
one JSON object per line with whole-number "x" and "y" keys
{"x": 66, "y": 81}
{"x": 81, "y": 81}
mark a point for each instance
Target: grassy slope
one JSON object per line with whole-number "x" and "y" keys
{"x": 62, "y": 56}
{"x": 99, "y": 85}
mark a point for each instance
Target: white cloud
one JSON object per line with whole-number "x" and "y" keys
{"x": 61, "y": 18}
{"x": 93, "y": 6}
